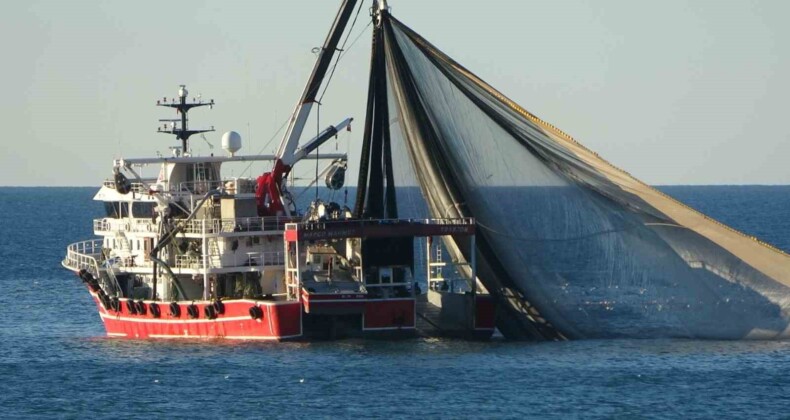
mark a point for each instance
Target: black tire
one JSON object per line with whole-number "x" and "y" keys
{"x": 193, "y": 311}
{"x": 139, "y": 306}
{"x": 256, "y": 312}
{"x": 94, "y": 286}
{"x": 155, "y": 311}
{"x": 131, "y": 307}
{"x": 115, "y": 304}
{"x": 210, "y": 312}
{"x": 175, "y": 310}
{"x": 104, "y": 300}
{"x": 219, "y": 307}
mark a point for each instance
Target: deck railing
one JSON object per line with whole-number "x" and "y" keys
{"x": 249, "y": 259}
{"x": 322, "y": 224}
{"x": 124, "y": 225}
{"x": 273, "y": 224}
{"x": 244, "y": 224}
{"x": 84, "y": 255}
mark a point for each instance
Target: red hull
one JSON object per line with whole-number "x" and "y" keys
{"x": 485, "y": 313}
{"x": 280, "y": 321}
{"x": 390, "y": 314}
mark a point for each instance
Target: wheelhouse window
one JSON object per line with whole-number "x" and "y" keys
{"x": 143, "y": 209}
{"x": 116, "y": 209}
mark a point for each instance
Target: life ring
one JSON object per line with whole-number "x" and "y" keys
{"x": 219, "y": 307}
{"x": 175, "y": 310}
{"x": 192, "y": 311}
{"x": 210, "y": 312}
{"x": 131, "y": 307}
{"x": 256, "y": 312}
{"x": 155, "y": 311}
{"x": 139, "y": 306}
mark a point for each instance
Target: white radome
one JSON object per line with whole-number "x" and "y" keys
{"x": 231, "y": 142}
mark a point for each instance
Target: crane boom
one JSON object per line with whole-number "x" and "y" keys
{"x": 304, "y": 106}
{"x": 271, "y": 196}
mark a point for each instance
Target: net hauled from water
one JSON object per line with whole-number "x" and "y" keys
{"x": 570, "y": 245}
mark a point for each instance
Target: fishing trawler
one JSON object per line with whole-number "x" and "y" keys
{"x": 191, "y": 253}
{"x": 525, "y": 229}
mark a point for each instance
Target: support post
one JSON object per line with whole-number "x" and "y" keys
{"x": 204, "y": 251}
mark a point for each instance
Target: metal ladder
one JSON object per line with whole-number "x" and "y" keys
{"x": 215, "y": 258}
{"x": 292, "y": 282}
{"x": 435, "y": 267}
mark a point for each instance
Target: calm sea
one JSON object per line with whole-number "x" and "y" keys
{"x": 55, "y": 361}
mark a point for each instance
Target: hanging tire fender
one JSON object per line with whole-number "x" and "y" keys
{"x": 154, "y": 309}
{"x": 175, "y": 310}
{"x": 219, "y": 307}
{"x": 139, "y": 306}
{"x": 115, "y": 304}
{"x": 210, "y": 312}
{"x": 193, "y": 311}
{"x": 256, "y": 312}
{"x": 131, "y": 307}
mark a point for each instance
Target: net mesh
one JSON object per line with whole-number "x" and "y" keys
{"x": 570, "y": 245}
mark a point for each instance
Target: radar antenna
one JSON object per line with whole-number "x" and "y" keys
{"x": 182, "y": 107}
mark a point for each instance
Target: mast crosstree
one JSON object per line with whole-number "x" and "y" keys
{"x": 181, "y": 105}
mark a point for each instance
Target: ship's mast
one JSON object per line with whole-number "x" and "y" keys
{"x": 379, "y": 7}
{"x": 182, "y": 107}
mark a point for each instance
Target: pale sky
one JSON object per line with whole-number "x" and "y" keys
{"x": 675, "y": 92}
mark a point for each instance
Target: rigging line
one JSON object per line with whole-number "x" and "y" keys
{"x": 339, "y": 56}
{"x": 576, "y": 238}
{"x": 362, "y": 32}
{"x": 274, "y": 136}
{"x": 318, "y": 131}
{"x": 342, "y": 48}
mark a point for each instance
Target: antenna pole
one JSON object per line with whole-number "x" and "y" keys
{"x": 182, "y": 95}
{"x": 182, "y": 107}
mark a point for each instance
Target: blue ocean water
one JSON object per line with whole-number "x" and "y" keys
{"x": 55, "y": 361}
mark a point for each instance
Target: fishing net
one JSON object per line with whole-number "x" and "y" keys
{"x": 568, "y": 244}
